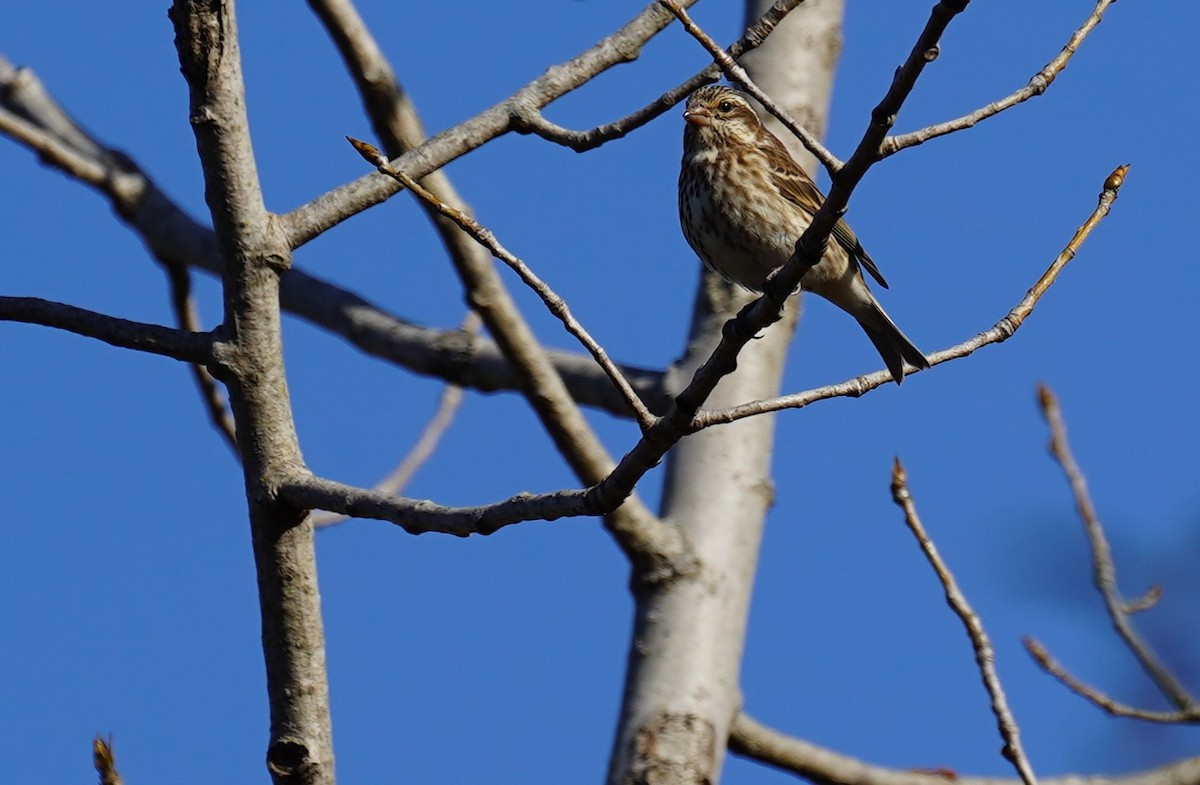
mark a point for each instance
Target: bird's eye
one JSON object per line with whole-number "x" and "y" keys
{"x": 725, "y": 106}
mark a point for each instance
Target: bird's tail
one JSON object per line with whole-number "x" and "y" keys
{"x": 892, "y": 344}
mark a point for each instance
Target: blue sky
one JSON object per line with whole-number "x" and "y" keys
{"x": 126, "y": 580}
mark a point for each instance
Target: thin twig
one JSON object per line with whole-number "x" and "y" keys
{"x": 427, "y": 442}
{"x": 531, "y": 120}
{"x": 822, "y": 766}
{"x": 1040, "y": 82}
{"x": 186, "y": 316}
{"x": 985, "y": 655}
{"x": 1104, "y": 571}
{"x": 1099, "y": 699}
{"x": 1001, "y": 331}
{"x": 554, "y": 303}
{"x": 736, "y": 73}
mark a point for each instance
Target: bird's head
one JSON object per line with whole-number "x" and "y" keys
{"x": 721, "y": 115}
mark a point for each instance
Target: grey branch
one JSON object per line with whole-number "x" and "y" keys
{"x": 553, "y": 302}
{"x": 1040, "y": 82}
{"x": 422, "y": 450}
{"x": 644, "y": 539}
{"x": 186, "y": 316}
{"x": 418, "y": 516}
{"x": 192, "y": 347}
{"x": 30, "y": 116}
{"x": 300, "y": 748}
{"x": 821, "y": 766}
{"x": 1104, "y": 574}
{"x": 985, "y": 655}
{"x": 1099, "y": 699}
{"x": 309, "y": 220}
{"x": 532, "y": 121}
{"x": 1001, "y": 331}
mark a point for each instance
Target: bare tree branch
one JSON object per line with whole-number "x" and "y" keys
{"x": 532, "y": 120}
{"x": 176, "y": 239}
{"x": 180, "y": 279}
{"x": 985, "y": 655}
{"x": 634, "y": 527}
{"x": 443, "y": 416}
{"x": 645, "y": 539}
{"x": 821, "y": 766}
{"x": 1102, "y": 701}
{"x": 309, "y": 220}
{"x": 250, "y": 357}
{"x": 419, "y": 516}
{"x": 1104, "y": 573}
{"x": 1001, "y": 331}
{"x": 1040, "y": 82}
{"x": 735, "y": 73}
{"x": 192, "y": 347}
{"x": 554, "y": 303}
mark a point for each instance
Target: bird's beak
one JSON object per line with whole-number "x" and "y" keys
{"x": 698, "y": 115}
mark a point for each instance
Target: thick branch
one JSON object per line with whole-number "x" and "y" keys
{"x": 192, "y": 347}
{"x": 300, "y": 749}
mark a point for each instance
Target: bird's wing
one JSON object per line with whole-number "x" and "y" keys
{"x": 798, "y": 188}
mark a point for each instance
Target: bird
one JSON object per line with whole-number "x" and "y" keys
{"x": 743, "y": 204}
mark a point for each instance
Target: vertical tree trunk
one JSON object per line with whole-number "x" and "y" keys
{"x": 682, "y": 685}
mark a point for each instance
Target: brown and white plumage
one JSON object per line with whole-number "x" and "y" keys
{"x": 743, "y": 204}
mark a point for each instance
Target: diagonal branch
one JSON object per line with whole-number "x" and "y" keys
{"x": 532, "y": 120}
{"x": 554, "y": 303}
{"x": 645, "y": 539}
{"x": 180, "y": 279}
{"x": 512, "y": 114}
{"x": 192, "y": 347}
{"x": 1040, "y": 82}
{"x": 399, "y": 477}
{"x": 985, "y": 655}
{"x": 1104, "y": 702}
{"x": 1001, "y": 331}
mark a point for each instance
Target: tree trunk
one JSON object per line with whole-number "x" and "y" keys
{"x": 682, "y": 684}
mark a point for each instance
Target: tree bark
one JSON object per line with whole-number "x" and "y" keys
{"x": 682, "y": 684}
{"x": 248, "y": 358}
